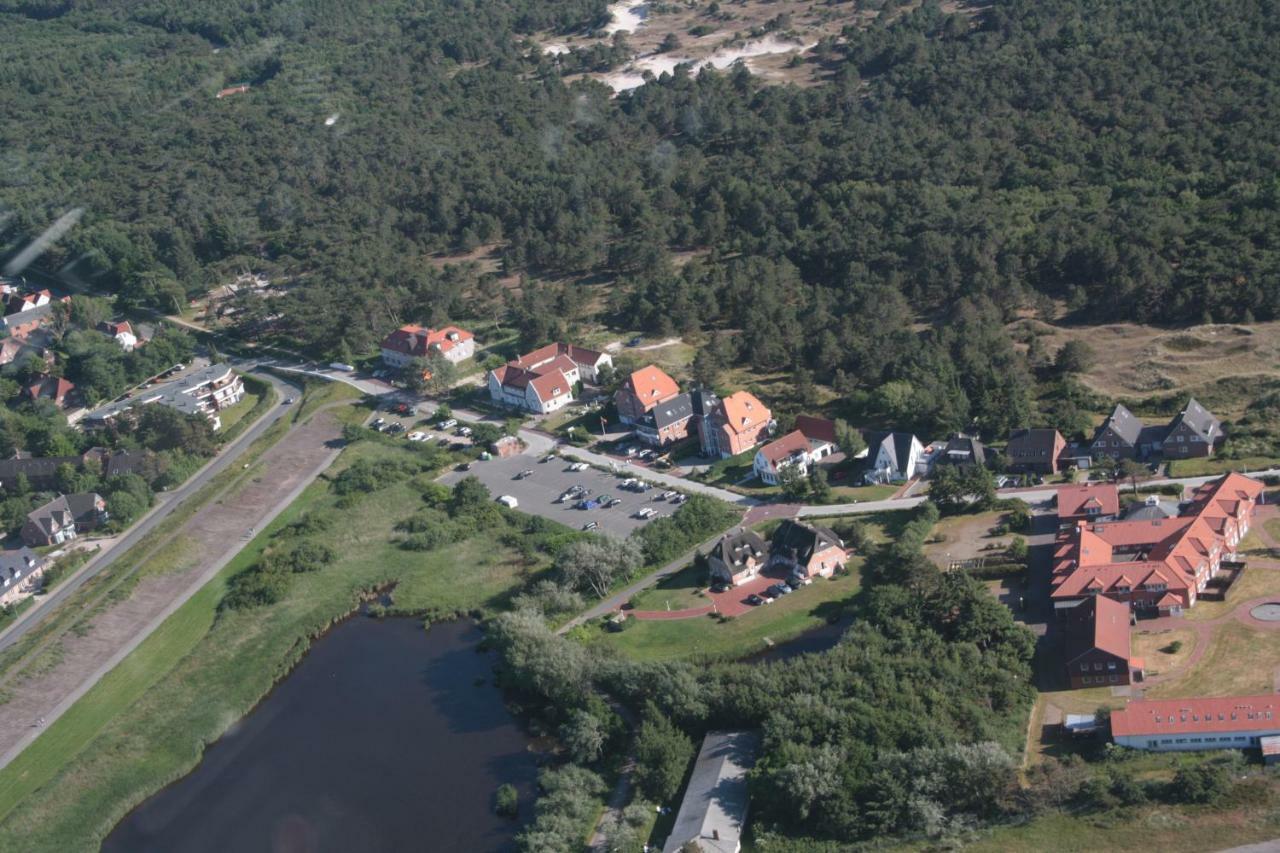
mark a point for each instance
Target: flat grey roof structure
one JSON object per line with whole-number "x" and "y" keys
{"x": 714, "y": 809}
{"x": 178, "y": 394}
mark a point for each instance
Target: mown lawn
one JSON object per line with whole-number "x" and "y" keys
{"x": 1240, "y": 661}
{"x": 676, "y": 592}
{"x": 146, "y": 723}
{"x": 707, "y": 637}
{"x": 1205, "y": 467}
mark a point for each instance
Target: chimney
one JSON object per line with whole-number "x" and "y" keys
{"x": 715, "y": 835}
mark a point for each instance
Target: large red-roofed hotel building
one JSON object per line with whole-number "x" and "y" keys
{"x": 1155, "y": 565}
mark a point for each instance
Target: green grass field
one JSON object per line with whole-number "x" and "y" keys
{"x": 146, "y": 723}
{"x": 707, "y": 637}
{"x": 1205, "y": 467}
{"x": 676, "y": 592}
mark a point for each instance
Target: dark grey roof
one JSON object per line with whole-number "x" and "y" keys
{"x": 1151, "y": 509}
{"x": 18, "y": 562}
{"x": 20, "y": 318}
{"x": 1033, "y": 440}
{"x": 1152, "y": 435}
{"x": 799, "y": 542}
{"x": 678, "y": 408}
{"x": 962, "y": 449}
{"x": 1123, "y": 423}
{"x": 1199, "y": 419}
{"x": 714, "y": 809}
{"x": 898, "y": 445}
{"x": 704, "y": 402}
{"x": 733, "y": 548}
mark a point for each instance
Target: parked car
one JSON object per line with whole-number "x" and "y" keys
{"x": 797, "y": 581}
{"x": 446, "y": 424}
{"x": 647, "y": 454}
{"x": 417, "y": 436}
{"x": 771, "y": 593}
{"x": 719, "y": 586}
{"x": 378, "y": 422}
{"x": 396, "y": 428}
{"x": 464, "y": 466}
{"x": 579, "y": 466}
{"x": 631, "y": 451}
{"x": 604, "y": 499}
{"x": 635, "y": 342}
{"x": 288, "y": 401}
{"x": 547, "y": 458}
{"x": 615, "y": 502}
{"x": 756, "y": 600}
{"x": 590, "y": 525}
{"x": 781, "y": 589}
{"x": 465, "y": 431}
{"x": 527, "y": 472}
{"x": 668, "y": 495}
{"x": 508, "y": 501}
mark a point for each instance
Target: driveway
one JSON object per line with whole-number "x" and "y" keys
{"x": 537, "y": 494}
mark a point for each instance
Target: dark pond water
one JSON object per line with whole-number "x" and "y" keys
{"x": 380, "y": 740}
{"x": 817, "y": 639}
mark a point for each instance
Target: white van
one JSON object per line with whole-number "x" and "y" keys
{"x": 508, "y": 501}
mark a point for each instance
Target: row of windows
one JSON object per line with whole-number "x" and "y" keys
{"x": 1101, "y": 679}
{"x": 1237, "y": 739}
{"x": 1097, "y": 666}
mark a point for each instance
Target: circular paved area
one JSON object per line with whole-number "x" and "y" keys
{"x": 1268, "y": 612}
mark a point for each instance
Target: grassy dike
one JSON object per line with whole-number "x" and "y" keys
{"x": 118, "y": 581}
{"x": 146, "y": 723}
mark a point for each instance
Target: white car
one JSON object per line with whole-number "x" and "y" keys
{"x": 579, "y": 466}
{"x": 417, "y": 436}
{"x": 508, "y": 501}
{"x": 448, "y": 424}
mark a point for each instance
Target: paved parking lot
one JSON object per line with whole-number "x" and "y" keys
{"x": 537, "y": 494}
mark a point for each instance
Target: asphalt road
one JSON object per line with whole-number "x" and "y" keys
{"x": 537, "y": 493}
{"x": 167, "y": 502}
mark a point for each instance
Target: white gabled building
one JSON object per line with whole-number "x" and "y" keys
{"x": 893, "y": 458}
{"x": 543, "y": 381}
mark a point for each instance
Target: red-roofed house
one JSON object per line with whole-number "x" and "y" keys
{"x": 49, "y": 388}
{"x": 1088, "y": 502}
{"x": 1229, "y": 722}
{"x": 643, "y": 390}
{"x": 121, "y": 331}
{"x": 732, "y": 425}
{"x": 800, "y": 448}
{"x": 543, "y": 381}
{"x": 1098, "y": 650}
{"x": 409, "y": 342}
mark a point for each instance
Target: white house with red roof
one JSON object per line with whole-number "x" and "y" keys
{"x": 543, "y": 381}
{"x": 1170, "y": 725}
{"x": 412, "y": 341}
{"x": 812, "y": 440}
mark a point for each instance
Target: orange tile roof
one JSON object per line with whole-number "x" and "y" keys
{"x": 1191, "y": 716}
{"x": 651, "y": 385}
{"x": 1074, "y": 500}
{"x": 745, "y": 413}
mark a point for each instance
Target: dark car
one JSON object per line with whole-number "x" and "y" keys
{"x": 719, "y": 586}
{"x": 755, "y": 600}
{"x": 635, "y": 342}
{"x": 778, "y": 589}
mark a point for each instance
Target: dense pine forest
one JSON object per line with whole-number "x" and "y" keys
{"x": 1116, "y": 161}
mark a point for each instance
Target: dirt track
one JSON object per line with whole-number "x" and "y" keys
{"x": 213, "y": 536}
